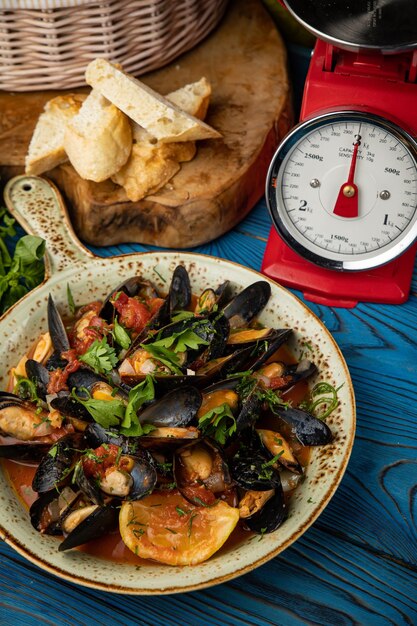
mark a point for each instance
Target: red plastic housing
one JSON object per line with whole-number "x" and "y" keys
{"x": 374, "y": 83}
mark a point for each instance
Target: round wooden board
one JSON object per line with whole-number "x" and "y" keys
{"x": 245, "y": 61}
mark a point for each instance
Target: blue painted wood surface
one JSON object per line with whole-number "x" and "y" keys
{"x": 356, "y": 565}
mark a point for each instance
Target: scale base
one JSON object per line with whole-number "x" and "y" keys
{"x": 389, "y": 284}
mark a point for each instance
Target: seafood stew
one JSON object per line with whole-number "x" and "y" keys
{"x": 166, "y": 415}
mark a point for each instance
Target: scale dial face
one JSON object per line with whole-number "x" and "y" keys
{"x": 342, "y": 190}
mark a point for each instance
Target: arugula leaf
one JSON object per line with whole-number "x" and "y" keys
{"x": 121, "y": 336}
{"x": 143, "y": 392}
{"x": 100, "y": 356}
{"x": 218, "y": 423}
{"x": 70, "y": 299}
{"x": 105, "y": 412}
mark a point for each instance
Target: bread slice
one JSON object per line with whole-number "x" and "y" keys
{"x": 98, "y": 140}
{"x": 161, "y": 118}
{"x": 46, "y": 148}
{"x": 153, "y": 163}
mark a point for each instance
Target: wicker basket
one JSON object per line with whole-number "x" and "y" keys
{"x": 50, "y": 48}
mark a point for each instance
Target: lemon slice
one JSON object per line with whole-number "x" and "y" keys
{"x": 167, "y": 528}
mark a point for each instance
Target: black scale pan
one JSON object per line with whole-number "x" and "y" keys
{"x": 387, "y": 25}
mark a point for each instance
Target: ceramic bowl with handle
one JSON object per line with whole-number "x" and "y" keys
{"x": 37, "y": 205}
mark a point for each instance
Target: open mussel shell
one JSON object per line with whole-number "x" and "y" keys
{"x": 275, "y": 445}
{"x": 177, "y": 408}
{"x": 96, "y": 435}
{"x": 31, "y": 452}
{"x": 20, "y": 418}
{"x": 179, "y": 290}
{"x": 54, "y": 468}
{"x": 212, "y": 299}
{"x": 201, "y": 471}
{"x": 283, "y": 376}
{"x": 244, "y": 307}
{"x": 249, "y": 472}
{"x": 47, "y": 511}
{"x": 308, "y": 429}
{"x": 266, "y": 348}
{"x": 270, "y": 516}
{"x": 101, "y": 520}
{"x": 56, "y": 328}
{"x": 133, "y": 286}
{"x": 39, "y": 375}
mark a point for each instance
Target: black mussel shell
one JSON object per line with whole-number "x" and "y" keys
{"x": 249, "y": 411}
{"x": 254, "y": 473}
{"x": 68, "y": 406}
{"x": 180, "y": 290}
{"x": 308, "y": 429}
{"x": 244, "y": 307}
{"x": 23, "y": 451}
{"x": 176, "y": 408}
{"x": 144, "y": 477}
{"x": 102, "y": 520}
{"x": 53, "y": 469}
{"x": 270, "y": 516}
{"x": 218, "y": 342}
{"x": 38, "y": 517}
{"x": 131, "y": 287}
{"x": 46, "y": 511}
{"x": 268, "y": 346}
{"x": 39, "y": 375}
{"x": 96, "y": 435}
{"x": 88, "y": 486}
{"x": 56, "y": 328}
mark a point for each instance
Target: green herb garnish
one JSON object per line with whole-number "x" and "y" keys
{"x": 143, "y": 392}
{"x": 100, "y": 357}
{"x": 105, "y": 412}
{"x": 218, "y": 423}
{"x": 71, "y": 303}
{"x": 25, "y": 270}
{"x": 121, "y": 336}
{"x": 330, "y": 402}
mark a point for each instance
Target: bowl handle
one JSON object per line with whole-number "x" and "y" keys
{"x": 39, "y": 208}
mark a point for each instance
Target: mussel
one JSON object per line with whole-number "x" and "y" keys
{"x": 201, "y": 473}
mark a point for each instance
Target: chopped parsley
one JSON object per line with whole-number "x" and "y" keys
{"x": 143, "y": 392}
{"x": 218, "y": 423}
{"x": 100, "y": 357}
{"x": 105, "y": 412}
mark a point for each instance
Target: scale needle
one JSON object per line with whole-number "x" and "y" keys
{"x": 347, "y": 200}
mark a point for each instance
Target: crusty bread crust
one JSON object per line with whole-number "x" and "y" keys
{"x": 98, "y": 140}
{"x": 161, "y": 118}
{"x": 46, "y": 148}
{"x": 153, "y": 163}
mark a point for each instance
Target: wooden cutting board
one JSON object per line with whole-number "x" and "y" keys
{"x": 245, "y": 61}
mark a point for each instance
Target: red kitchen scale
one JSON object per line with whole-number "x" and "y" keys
{"x": 342, "y": 186}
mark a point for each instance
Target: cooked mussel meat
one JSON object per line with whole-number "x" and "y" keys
{"x": 201, "y": 473}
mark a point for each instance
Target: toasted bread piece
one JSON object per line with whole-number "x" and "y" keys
{"x": 161, "y": 118}
{"x": 98, "y": 140}
{"x": 46, "y": 148}
{"x": 152, "y": 163}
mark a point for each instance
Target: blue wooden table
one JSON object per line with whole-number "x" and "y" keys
{"x": 356, "y": 565}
